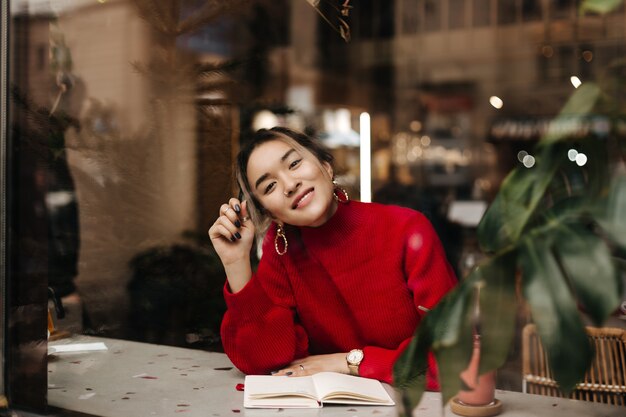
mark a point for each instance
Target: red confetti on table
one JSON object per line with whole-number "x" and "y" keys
{"x": 239, "y": 387}
{"x": 236, "y": 411}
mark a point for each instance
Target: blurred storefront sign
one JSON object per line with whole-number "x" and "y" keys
{"x": 515, "y": 129}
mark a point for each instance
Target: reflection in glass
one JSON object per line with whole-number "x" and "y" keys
{"x": 562, "y": 9}
{"x": 507, "y": 12}
{"x": 410, "y": 16}
{"x": 126, "y": 115}
{"x": 457, "y": 13}
{"x": 531, "y": 10}
{"x": 481, "y": 13}
{"x": 432, "y": 15}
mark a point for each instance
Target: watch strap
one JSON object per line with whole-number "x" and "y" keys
{"x": 354, "y": 369}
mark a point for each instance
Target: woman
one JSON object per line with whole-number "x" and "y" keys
{"x": 341, "y": 285}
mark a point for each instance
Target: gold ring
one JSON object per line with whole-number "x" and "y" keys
{"x": 302, "y": 367}
{"x": 226, "y": 211}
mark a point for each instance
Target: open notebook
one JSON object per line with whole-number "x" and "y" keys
{"x": 264, "y": 391}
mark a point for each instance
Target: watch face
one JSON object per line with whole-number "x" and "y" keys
{"x": 355, "y": 356}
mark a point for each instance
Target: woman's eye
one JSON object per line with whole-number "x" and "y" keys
{"x": 294, "y": 163}
{"x": 269, "y": 187}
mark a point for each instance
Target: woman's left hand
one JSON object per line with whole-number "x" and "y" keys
{"x": 334, "y": 362}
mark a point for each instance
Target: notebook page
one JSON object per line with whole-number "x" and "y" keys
{"x": 264, "y": 386}
{"x": 336, "y": 385}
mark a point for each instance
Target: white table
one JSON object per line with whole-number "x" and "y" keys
{"x": 133, "y": 379}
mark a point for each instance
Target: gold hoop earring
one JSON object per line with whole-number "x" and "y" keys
{"x": 280, "y": 233}
{"x": 344, "y": 198}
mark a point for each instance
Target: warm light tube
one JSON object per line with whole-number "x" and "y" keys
{"x": 365, "y": 158}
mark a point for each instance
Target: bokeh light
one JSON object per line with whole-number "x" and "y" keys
{"x": 496, "y": 102}
{"x": 529, "y": 161}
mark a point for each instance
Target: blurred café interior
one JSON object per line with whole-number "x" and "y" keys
{"x": 123, "y": 119}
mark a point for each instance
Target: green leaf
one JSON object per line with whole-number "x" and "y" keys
{"x": 411, "y": 396}
{"x": 521, "y": 193}
{"x": 589, "y": 181}
{"x": 516, "y": 203}
{"x": 610, "y": 213}
{"x": 448, "y": 317}
{"x": 587, "y": 261}
{"x": 409, "y": 370}
{"x": 498, "y": 307}
{"x": 599, "y": 6}
{"x": 580, "y": 103}
{"x": 447, "y": 330}
{"x": 554, "y": 311}
{"x": 453, "y": 329}
{"x": 567, "y": 209}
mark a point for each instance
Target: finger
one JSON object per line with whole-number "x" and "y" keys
{"x": 235, "y": 204}
{"x": 219, "y": 231}
{"x": 295, "y": 370}
{"x": 245, "y": 215}
{"x": 230, "y": 226}
{"x": 229, "y": 230}
{"x": 286, "y": 372}
{"x": 230, "y": 213}
{"x": 301, "y": 370}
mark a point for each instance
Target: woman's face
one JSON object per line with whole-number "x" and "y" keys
{"x": 291, "y": 186}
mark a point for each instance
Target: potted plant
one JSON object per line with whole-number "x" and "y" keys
{"x": 557, "y": 233}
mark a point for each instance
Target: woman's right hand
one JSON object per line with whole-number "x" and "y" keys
{"x": 232, "y": 233}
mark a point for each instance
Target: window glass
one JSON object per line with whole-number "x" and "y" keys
{"x": 410, "y": 14}
{"x": 125, "y": 117}
{"x": 531, "y": 10}
{"x": 507, "y": 12}
{"x": 386, "y": 24}
{"x": 457, "y": 14}
{"x": 481, "y": 13}
{"x": 562, "y": 9}
{"x": 432, "y": 15}
{"x": 4, "y": 33}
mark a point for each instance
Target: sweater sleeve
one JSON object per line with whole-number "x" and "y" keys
{"x": 259, "y": 329}
{"x": 429, "y": 278}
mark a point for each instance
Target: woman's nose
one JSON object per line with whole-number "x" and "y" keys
{"x": 291, "y": 186}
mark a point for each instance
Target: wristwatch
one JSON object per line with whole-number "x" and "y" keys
{"x": 354, "y": 359}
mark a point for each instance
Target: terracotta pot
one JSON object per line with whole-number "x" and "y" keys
{"x": 480, "y": 401}
{"x": 483, "y": 388}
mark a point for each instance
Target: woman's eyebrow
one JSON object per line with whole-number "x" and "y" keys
{"x": 286, "y": 155}
{"x": 264, "y": 176}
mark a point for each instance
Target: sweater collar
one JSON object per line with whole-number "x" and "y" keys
{"x": 343, "y": 223}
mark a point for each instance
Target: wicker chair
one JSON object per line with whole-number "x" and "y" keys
{"x": 604, "y": 382}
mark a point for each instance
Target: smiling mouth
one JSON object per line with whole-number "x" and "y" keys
{"x": 301, "y": 197}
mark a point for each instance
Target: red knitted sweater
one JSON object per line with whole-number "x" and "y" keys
{"x": 354, "y": 282}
